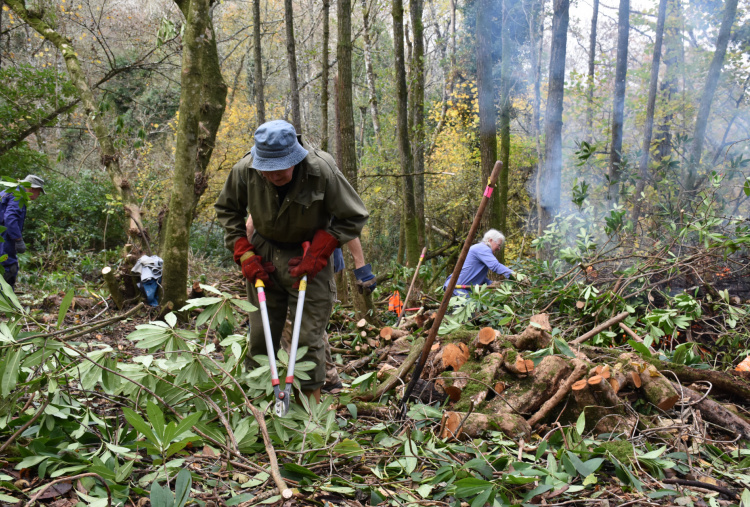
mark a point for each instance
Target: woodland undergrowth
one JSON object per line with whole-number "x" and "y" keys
{"x": 100, "y": 408}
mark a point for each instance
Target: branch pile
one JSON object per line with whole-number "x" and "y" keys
{"x": 492, "y": 383}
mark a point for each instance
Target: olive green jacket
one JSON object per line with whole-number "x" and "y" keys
{"x": 320, "y": 198}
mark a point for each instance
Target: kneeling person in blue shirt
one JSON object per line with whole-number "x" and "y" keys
{"x": 480, "y": 260}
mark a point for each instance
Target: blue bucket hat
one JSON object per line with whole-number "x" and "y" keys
{"x": 276, "y": 147}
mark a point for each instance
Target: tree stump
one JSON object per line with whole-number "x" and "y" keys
{"x": 113, "y": 286}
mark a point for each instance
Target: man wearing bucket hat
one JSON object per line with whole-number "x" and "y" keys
{"x": 12, "y": 217}
{"x": 294, "y": 194}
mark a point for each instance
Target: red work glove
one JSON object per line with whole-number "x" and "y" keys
{"x": 316, "y": 257}
{"x": 253, "y": 267}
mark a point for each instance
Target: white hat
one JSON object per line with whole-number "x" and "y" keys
{"x": 35, "y": 181}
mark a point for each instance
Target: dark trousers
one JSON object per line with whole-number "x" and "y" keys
{"x": 10, "y": 274}
{"x": 281, "y": 300}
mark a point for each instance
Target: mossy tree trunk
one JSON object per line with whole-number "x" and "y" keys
{"x": 202, "y": 103}
{"x": 260, "y": 101}
{"x": 416, "y": 8}
{"x": 373, "y": 99}
{"x": 409, "y": 217}
{"x": 110, "y": 158}
{"x": 505, "y": 104}
{"x": 291, "y": 55}
{"x": 486, "y": 100}
{"x": 324, "y": 76}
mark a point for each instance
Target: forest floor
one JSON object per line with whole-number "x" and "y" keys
{"x": 523, "y": 435}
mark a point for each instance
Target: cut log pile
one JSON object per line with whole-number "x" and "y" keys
{"x": 492, "y": 384}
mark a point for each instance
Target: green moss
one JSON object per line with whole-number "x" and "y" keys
{"x": 620, "y": 449}
{"x": 479, "y": 382}
{"x": 510, "y": 356}
{"x": 461, "y": 335}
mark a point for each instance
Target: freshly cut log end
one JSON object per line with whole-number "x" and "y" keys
{"x": 388, "y": 333}
{"x": 450, "y": 425}
{"x": 524, "y": 365}
{"x": 455, "y": 355}
{"x": 486, "y": 336}
{"x": 636, "y": 378}
{"x": 579, "y": 385}
{"x": 595, "y": 380}
{"x": 361, "y": 323}
{"x": 453, "y": 392}
{"x": 499, "y": 387}
{"x": 196, "y": 291}
{"x": 542, "y": 320}
{"x": 287, "y": 494}
{"x": 520, "y": 366}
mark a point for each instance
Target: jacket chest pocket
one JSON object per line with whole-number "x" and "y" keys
{"x": 308, "y": 211}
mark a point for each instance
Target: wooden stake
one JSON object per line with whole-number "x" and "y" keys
{"x": 408, "y": 293}
{"x": 452, "y": 283}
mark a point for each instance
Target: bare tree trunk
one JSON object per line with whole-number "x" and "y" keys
{"x": 551, "y": 177}
{"x": 648, "y": 127}
{"x": 618, "y": 105}
{"x": 291, "y": 55}
{"x": 346, "y": 131}
{"x": 373, "y": 99}
{"x": 502, "y": 180}
{"x": 592, "y": 69}
{"x": 260, "y": 101}
{"x": 535, "y": 16}
{"x": 737, "y": 104}
{"x": 486, "y": 100}
{"x": 411, "y": 232}
{"x": 202, "y": 103}
{"x": 672, "y": 49}
{"x": 712, "y": 81}
{"x": 450, "y": 80}
{"x": 416, "y": 7}
{"x": 324, "y": 77}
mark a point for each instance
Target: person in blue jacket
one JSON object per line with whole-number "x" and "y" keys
{"x": 480, "y": 260}
{"x": 12, "y": 217}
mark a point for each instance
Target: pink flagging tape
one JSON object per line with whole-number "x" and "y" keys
{"x": 262, "y": 297}
{"x": 488, "y": 191}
